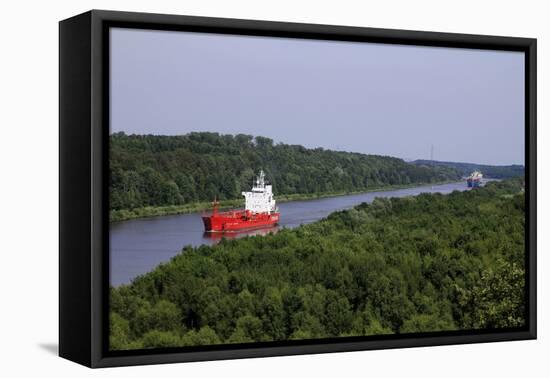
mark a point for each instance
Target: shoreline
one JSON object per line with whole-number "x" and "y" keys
{"x": 197, "y": 207}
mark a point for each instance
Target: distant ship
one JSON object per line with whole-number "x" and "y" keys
{"x": 260, "y": 211}
{"x": 474, "y": 180}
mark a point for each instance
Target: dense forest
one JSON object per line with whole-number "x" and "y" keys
{"x": 416, "y": 264}
{"x": 489, "y": 171}
{"x": 149, "y": 170}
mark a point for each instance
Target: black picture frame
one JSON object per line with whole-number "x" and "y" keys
{"x": 83, "y": 178}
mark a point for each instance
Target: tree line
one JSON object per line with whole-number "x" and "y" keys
{"x": 151, "y": 170}
{"x": 416, "y": 264}
{"x": 489, "y": 171}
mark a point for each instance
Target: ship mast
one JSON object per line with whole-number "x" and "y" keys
{"x": 260, "y": 181}
{"x": 215, "y": 205}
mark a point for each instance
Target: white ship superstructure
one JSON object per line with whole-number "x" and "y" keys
{"x": 260, "y": 199}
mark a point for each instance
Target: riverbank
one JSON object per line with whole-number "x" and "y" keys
{"x": 155, "y": 211}
{"x": 138, "y": 245}
{"x": 327, "y": 268}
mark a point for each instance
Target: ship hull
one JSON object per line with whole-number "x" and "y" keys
{"x": 474, "y": 183}
{"x": 233, "y": 221}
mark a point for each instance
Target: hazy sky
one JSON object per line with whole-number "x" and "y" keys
{"x": 371, "y": 98}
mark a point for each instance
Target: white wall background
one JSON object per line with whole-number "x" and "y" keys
{"x": 29, "y": 186}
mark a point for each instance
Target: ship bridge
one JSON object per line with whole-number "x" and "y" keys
{"x": 260, "y": 199}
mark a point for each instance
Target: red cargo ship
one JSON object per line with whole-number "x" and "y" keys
{"x": 259, "y": 212}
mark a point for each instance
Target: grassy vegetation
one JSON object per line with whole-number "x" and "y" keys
{"x": 155, "y": 211}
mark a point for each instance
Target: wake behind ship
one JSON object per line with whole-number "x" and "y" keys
{"x": 260, "y": 211}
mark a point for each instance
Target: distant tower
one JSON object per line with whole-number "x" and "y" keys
{"x": 432, "y": 158}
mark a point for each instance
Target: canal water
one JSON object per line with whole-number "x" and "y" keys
{"x": 137, "y": 246}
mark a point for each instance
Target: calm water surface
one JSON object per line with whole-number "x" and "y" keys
{"x": 139, "y": 245}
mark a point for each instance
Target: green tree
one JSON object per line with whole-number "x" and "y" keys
{"x": 498, "y": 299}
{"x": 424, "y": 264}
{"x": 249, "y": 327}
{"x": 338, "y": 316}
{"x": 204, "y": 336}
{"x": 160, "y": 339}
{"x": 153, "y": 170}
{"x": 119, "y": 331}
{"x": 273, "y": 315}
